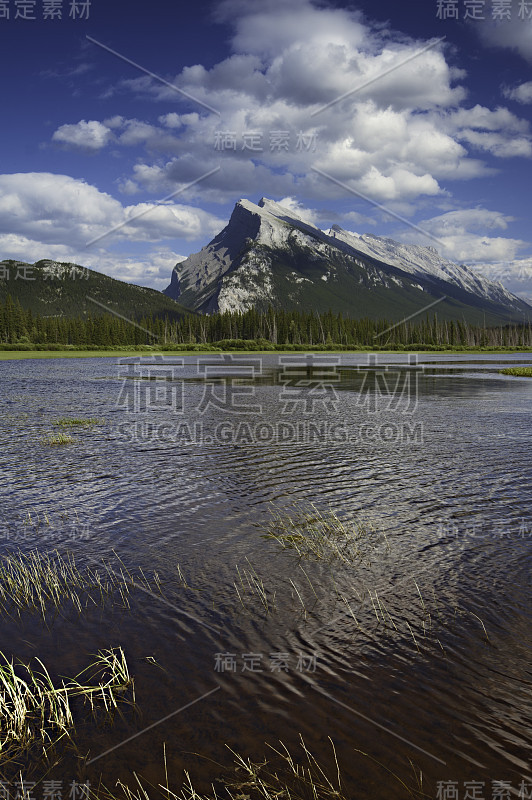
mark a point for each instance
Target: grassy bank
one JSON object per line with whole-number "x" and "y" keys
{"x": 9, "y": 355}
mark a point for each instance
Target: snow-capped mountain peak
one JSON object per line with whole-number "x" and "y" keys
{"x": 269, "y": 255}
{"x": 422, "y": 261}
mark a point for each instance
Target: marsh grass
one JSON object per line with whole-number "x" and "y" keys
{"x": 36, "y": 711}
{"x": 77, "y": 422}
{"x": 61, "y": 437}
{"x": 423, "y": 620}
{"x": 39, "y": 582}
{"x": 258, "y": 596}
{"x": 57, "y": 439}
{"x": 292, "y": 778}
{"x": 318, "y": 535}
{"x": 250, "y": 586}
{"x": 34, "y": 519}
{"x": 518, "y": 372}
{"x": 284, "y": 776}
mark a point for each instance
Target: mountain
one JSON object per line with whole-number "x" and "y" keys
{"x": 268, "y": 255}
{"x": 53, "y": 288}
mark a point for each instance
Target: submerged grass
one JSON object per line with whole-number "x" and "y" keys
{"x": 518, "y": 372}
{"x": 422, "y": 621}
{"x": 318, "y": 535}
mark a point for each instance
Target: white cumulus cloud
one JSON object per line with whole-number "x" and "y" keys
{"x": 91, "y": 135}
{"x": 467, "y": 236}
{"x": 521, "y": 93}
{"x": 43, "y": 215}
{"x": 382, "y": 112}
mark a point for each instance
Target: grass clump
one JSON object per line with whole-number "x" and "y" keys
{"x": 61, "y": 437}
{"x": 35, "y": 710}
{"x": 73, "y": 422}
{"x": 318, "y": 535}
{"x": 295, "y": 779}
{"x": 251, "y": 585}
{"x": 292, "y": 778}
{"x": 518, "y": 372}
{"x": 284, "y": 777}
{"x": 38, "y": 581}
{"x": 57, "y": 439}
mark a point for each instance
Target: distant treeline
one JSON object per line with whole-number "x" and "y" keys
{"x": 251, "y": 329}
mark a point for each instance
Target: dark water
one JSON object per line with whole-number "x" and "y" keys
{"x": 415, "y": 660}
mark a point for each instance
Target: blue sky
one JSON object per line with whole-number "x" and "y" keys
{"x": 341, "y": 111}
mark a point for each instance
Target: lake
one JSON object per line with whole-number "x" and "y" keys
{"x": 410, "y": 651}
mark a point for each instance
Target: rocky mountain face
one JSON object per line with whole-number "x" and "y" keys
{"x": 268, "y": 255}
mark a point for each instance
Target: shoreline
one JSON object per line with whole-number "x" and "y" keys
{"x": 13, "y": 355}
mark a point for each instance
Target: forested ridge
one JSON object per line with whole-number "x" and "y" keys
{"x": 280, "y": 329}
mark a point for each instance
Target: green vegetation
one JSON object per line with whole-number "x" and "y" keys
{"x": 284, "y": 775}
{"x": 251, "y": 585}
{"x": 518, "y": 372}
{"x": 72, "y": 422}
{"x": 57, "y": 439}
{"x": 273, "y": 330}
{"x": 34, "y": 710}
{"x": 40, "y": 710}
{"x": 16, "y": 353}
{"x": 38, "y": 581}
{"x": 317, "y": 535}
{"x": 291, "y": 778}
{"x": 63, "y": 289}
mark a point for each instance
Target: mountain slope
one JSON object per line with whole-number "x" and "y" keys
{"x": 53, "y": 288}
{"x": 268, "y": 255}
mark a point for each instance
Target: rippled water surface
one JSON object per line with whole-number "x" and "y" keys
{"x": 414, "y": 658}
